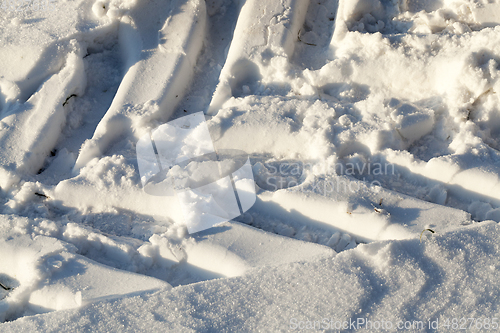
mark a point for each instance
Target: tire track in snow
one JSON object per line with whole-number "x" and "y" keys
{"x": 30, "y": 133}
{"x": 161, "y": 253}
{"x": 159, "y": 73}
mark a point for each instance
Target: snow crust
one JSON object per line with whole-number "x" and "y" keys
{"x": 371, "y": 129}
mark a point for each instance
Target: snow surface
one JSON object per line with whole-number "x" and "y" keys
{"x": 372, "y": 129}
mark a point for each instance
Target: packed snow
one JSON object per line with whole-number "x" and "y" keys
{"x": 245, "y": 165}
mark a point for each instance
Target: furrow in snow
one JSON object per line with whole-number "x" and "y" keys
{"x": 412, "y": 16}
{"x": 471, "y": 176}
{"x": 368, "y": 213}
{"x": 46, "y": 275}
{"x": 159, "y": 76}
{"x": 263, "y": 41}
{"x": 31, "y": 131}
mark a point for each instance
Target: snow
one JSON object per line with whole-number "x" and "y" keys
{"x": 148, "y": 80}
{"x": 220, "y": 165}
{"x": 391, "y": 281}
{"x": 31, "y": 134}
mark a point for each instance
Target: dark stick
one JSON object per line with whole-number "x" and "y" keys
{"x": 4, "y": 287}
